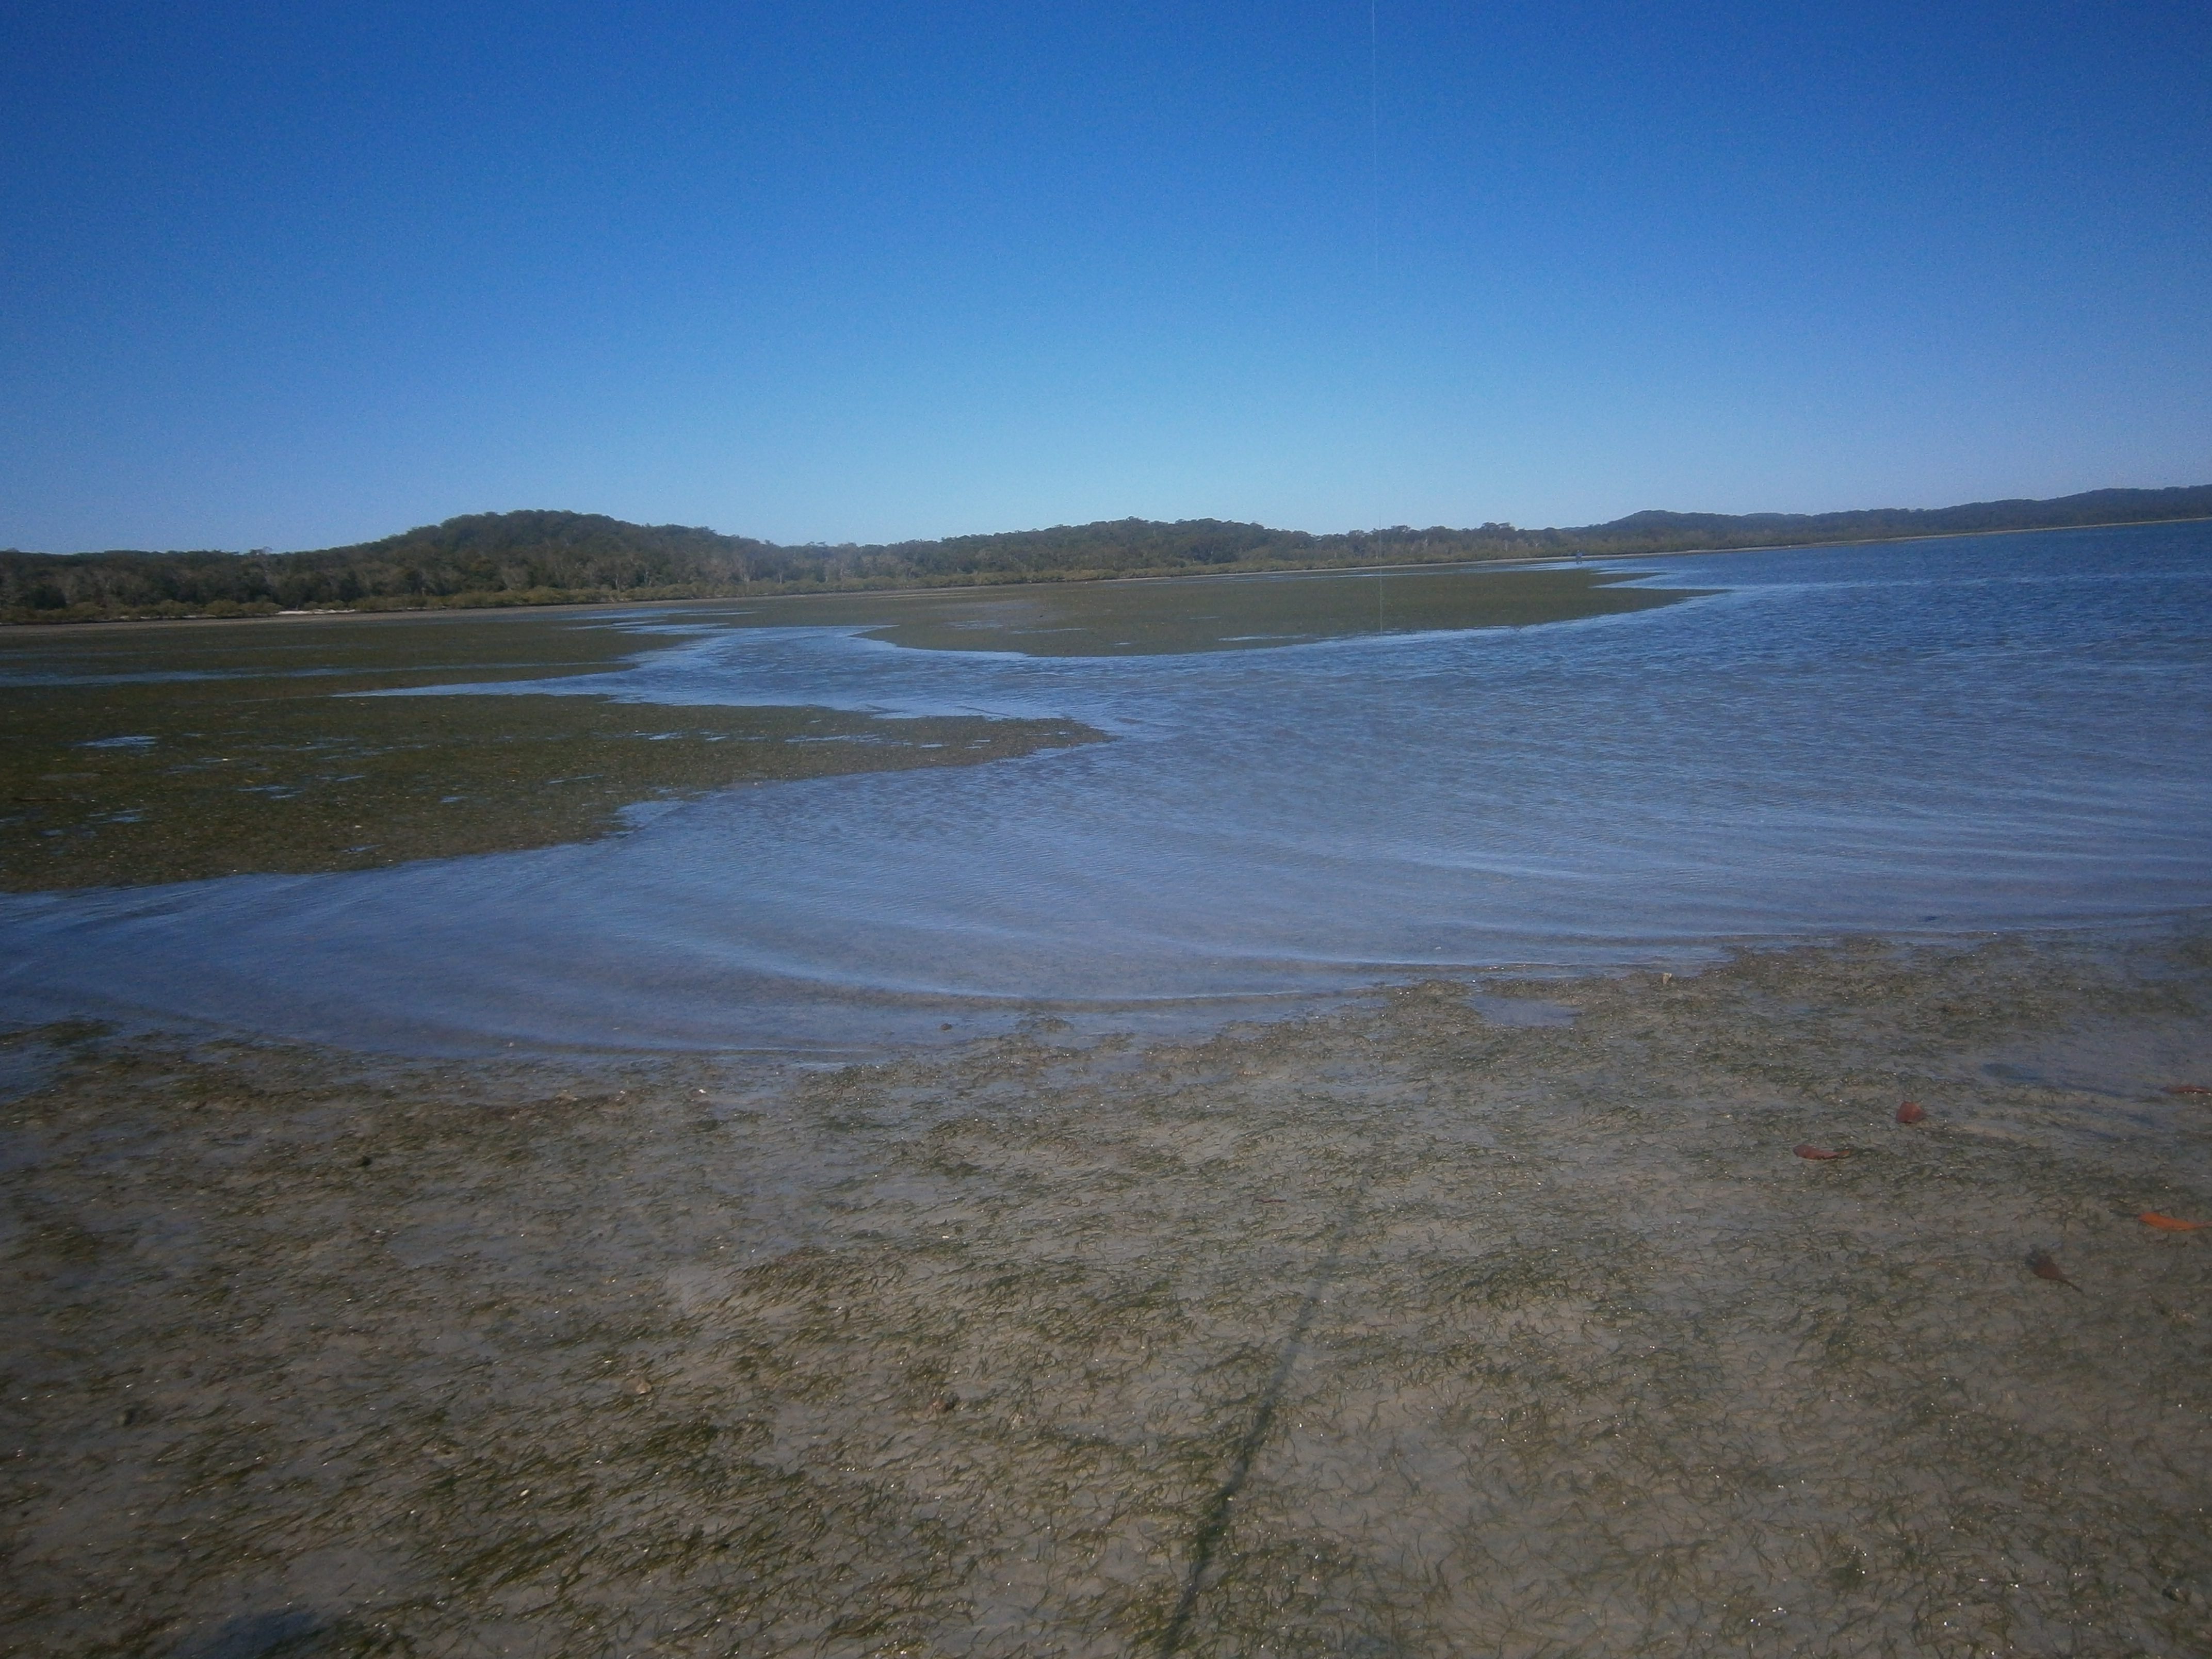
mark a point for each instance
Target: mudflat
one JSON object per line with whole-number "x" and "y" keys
{"x": 1498, "y": 1318}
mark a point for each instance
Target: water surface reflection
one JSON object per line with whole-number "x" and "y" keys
{"x": 1933, "y": 737}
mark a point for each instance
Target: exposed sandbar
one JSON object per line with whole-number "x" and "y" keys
{"x": 1164, "y": 616}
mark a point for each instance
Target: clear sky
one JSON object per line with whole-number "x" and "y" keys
{"x": 292, "y": 274}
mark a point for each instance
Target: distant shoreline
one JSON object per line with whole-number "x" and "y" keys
{"x": 918, "y": 590}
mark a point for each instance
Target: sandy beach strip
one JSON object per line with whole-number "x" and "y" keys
{"x": 1508, "y": 1326}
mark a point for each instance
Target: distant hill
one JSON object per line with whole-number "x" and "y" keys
{"x": 555, "y": 558}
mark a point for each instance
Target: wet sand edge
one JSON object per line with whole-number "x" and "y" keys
{"x": 1405, "y": 1329}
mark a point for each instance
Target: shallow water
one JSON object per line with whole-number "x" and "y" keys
{"x": 1932, "y": 738}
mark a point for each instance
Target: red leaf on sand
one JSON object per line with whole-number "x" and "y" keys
{"x": 1911, "y": 1112}
{"x": 1820, "y": 1152}
{"x": 2187, "y": 1089}
{"x": 2170, "y": 1223}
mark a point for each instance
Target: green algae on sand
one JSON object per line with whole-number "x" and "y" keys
{"x": 175, "y": 751}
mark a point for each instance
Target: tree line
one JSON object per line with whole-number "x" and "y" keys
{"x": 555, "y": 558}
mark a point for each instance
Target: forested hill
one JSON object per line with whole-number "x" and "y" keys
{"x": 548, "y": 558}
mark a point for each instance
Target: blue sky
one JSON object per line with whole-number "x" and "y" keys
{"x": 291, "y": 276}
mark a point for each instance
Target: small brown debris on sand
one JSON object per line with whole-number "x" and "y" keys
{"x": 2170, "y": 1223}
{"x": 2187, "y": 1089}
{"x": 1911, "y": 1112}
{"x": 2043, "y": 1265}
{"x": 1809, "y": 1151}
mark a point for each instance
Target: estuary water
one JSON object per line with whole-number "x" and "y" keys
{"x": 1930, "y": 739}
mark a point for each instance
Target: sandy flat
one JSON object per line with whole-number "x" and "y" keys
{"x": 1482, "y": 1320}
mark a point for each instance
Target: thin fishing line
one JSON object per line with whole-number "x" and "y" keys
{"x": 1375, "y": 138}
{"x": 1374, "y": 435}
